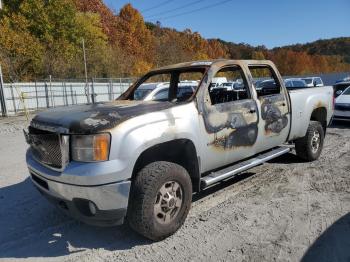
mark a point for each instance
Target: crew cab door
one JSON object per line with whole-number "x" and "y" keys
{"x": 273, "y": 104}
{"x": 228, "y": 119}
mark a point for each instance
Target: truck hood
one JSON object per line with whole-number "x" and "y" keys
{"x": 93, "y": 118}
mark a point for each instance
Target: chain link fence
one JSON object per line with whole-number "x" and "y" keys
{"x": 23, "y": 97}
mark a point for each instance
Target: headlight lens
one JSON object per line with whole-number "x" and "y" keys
{"x": 90, "y": 148}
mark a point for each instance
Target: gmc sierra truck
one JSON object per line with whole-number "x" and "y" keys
{"x": 141, "y": 161}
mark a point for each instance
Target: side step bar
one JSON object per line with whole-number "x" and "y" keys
{"x": 242, "y": 166}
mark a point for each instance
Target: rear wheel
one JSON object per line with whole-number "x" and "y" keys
{"x": 310, "y": 146}
{"x": 160, "y": 200}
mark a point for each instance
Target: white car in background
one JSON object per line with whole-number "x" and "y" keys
{"x": 145, "y": 89}
{"x": 313, "y": 81}
{"x": 231, "y": 86}
{"x": 161, "y": 91}
{"x": 217, "y": 82}
{"x": 342, "y": 106}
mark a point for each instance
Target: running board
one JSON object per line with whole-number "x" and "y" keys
{"x": 233, "y": 170}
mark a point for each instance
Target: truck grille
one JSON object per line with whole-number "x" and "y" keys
{"x": 46, "y": 147}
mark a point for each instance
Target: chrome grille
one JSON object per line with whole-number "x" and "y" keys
{"x": 48, "y": 148}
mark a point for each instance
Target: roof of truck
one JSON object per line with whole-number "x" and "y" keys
{"x": 213, "y": 62}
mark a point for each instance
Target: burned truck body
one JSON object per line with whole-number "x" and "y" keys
{"x": 142, "y": 160}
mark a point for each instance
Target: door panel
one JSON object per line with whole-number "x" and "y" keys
{"x": 229, "y": 119}
{"x": 274, "y": 112}
{"x": 230, "y": 131}
{"x": 274, "y": 108}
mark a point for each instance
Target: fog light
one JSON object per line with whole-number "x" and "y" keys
{"x": 92, "y": 208}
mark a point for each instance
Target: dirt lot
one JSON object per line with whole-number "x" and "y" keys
{"x": 284, "y": 210}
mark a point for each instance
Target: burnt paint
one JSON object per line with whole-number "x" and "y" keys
{"x": 232, "y": 117}
{"x": 94, "y": 118}
{"x": 271, "y": 112}
{"x": 243, "y": 136}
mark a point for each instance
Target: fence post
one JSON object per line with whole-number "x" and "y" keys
{"x": 13, "y": 100}
{"x": 92, "y": 91}
{"x": 110, "y": 90}
{"x": 65, "y": 93}
{"x": 47, "y": 96}
{"x": 2, "y": 95}
{"x": 36, "y": 95}
{"x": 51, "y": 93}
{"x": 71, "y": 94}
{"x": 120, "y": 86}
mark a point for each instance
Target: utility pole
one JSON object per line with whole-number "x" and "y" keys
{"x": 86, "y": 76}
{"x": 0, "y": 5}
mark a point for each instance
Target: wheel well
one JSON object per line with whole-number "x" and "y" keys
{"x": 320, "y": 115}
{"x": 179, "y": 151}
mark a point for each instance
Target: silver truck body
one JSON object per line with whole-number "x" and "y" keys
{"x": 217, "y": 136}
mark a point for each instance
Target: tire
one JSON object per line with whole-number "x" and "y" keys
{"x": 151, "y": 212}
{"x": 305, "y": 147}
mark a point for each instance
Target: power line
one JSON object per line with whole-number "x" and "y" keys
{"x": 156, "y": 6}
{"x": 194, "y": 10}
{"x": 175, "y": 9}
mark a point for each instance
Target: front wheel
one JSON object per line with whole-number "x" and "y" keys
{"x": 161, "y": 198}
{"x": 310, "y": 146}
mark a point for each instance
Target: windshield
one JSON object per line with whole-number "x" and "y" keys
{"x": 307, "y": 80}
{"x": 174, "y": 85}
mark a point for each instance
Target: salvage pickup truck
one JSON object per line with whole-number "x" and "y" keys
{"x": 141, "y": 161}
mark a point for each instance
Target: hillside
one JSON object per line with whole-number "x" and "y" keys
{"x": 335, "y": 46}
{"x": 41, "y": 38}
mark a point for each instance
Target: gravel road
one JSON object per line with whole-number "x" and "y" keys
{"x": 284, "y": 210}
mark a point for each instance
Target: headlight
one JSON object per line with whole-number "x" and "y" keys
{"x": 90, "y": 148}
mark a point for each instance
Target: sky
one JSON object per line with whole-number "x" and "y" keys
{"x": 266, "y": 22}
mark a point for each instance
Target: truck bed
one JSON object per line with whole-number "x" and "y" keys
{"x": 304, "y": 101}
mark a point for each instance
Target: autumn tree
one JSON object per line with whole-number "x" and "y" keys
{"x": 136, "y": 40}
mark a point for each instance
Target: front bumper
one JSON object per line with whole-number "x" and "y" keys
{"x": 110, "y": 199}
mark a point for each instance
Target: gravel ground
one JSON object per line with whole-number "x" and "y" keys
{"x": 284, "y": 210}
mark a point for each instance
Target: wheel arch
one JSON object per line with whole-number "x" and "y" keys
{"x": 320, "y": 114}
{"x": 180, "y": 151}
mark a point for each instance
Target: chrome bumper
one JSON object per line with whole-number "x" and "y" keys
{"x": 110, "y": 199}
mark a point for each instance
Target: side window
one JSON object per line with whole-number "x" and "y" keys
{"x": 229, "y": 84}
{"x": 269, "y": 84}
{"x": 187, "y": 83}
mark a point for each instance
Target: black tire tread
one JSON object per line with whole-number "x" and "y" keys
{"x": 141, "y": 199}
{"x": 302, "y": 145}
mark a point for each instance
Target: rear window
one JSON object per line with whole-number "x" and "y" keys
{"x": 307, "y": 80}
{"x": 298, "y": 83}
